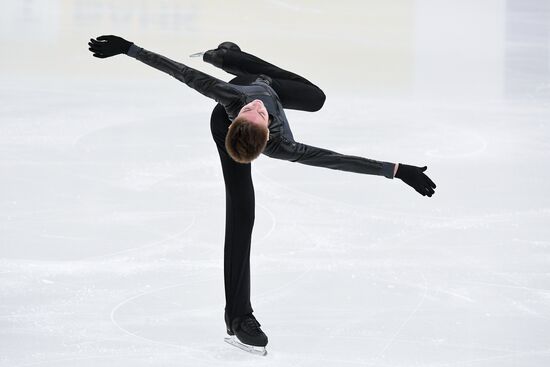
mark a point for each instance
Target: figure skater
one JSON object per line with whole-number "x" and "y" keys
{"x": 248, "y": 120}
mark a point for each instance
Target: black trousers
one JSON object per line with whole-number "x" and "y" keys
{"x": 295, "y": 92}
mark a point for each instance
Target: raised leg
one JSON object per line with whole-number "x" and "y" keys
{"x": 295, "y": 91}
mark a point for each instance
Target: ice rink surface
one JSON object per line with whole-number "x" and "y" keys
{"x": 112, "y": 202}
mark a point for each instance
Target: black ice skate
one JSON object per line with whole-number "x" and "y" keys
{"x": 229, "y": 45}
{"x": 215, "y": 57}
{"x": 245, "y": 333}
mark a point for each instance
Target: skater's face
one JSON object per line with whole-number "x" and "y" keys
{"x": 255, "y": 112}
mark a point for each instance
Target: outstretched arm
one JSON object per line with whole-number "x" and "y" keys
{"x": 216, "y": 89}
{"x": 314, "y": 156}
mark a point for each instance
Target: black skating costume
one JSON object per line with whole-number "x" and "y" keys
{"x": 278, "y": 89}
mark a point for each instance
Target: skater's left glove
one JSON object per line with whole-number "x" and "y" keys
{"x": 109, "y": 46}
{"x": 415, "y": 177}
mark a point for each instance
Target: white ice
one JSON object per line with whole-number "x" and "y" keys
{"x": 112, "y": 203}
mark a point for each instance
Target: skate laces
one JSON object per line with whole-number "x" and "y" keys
{"x": 252, "y": 324}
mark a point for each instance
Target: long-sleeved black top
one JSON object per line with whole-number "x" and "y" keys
{"x": 281, "y": 143}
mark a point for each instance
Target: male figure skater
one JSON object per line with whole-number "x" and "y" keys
{"x": 248, "y": 120}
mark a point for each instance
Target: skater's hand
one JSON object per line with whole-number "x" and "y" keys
{"x": 415, "y": 177}
{"x": 107, "y": 46}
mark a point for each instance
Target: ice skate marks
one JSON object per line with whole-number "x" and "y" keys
{"x": 260, "y": 351}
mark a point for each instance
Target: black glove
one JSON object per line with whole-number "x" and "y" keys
{"x": 215, "y": 57}
{"x": 414, "y": 177}
{"x": 110, "y": 46}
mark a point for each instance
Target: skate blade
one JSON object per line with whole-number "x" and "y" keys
{"x": 260, "y": 351}
{"x": 197, "y": 54}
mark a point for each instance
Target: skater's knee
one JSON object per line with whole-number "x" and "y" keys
{"x": 317, "y": 101}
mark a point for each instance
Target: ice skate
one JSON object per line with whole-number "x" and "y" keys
{"x": 229, "y": 46}
{"x": 245, "y": 333}
{"x": 233, "y": 340}
{"x": 224, "y": 45}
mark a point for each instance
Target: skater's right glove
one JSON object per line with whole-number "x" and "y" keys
{"x": 110, "y": 46}
{"x": 215, "y": 57}
{"x": 415, "y": 177}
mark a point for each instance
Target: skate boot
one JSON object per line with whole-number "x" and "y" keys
{"x": 245, "y": 333}
{"x": 215, "y": 57}
{"x": 229, "y": 46}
